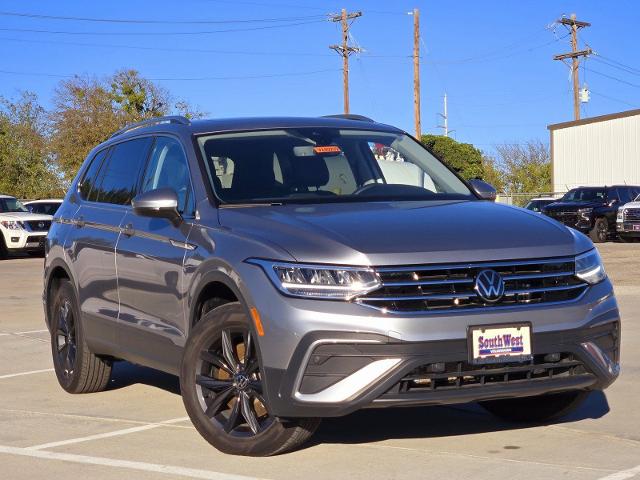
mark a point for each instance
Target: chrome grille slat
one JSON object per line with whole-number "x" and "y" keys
{"x": 425, "y": 288}
{"x": 632, "y": 215}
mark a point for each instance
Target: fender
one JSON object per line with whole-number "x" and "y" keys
{"x": 56, "y": 263}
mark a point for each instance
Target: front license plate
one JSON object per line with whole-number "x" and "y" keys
{"x": 504, "y": 343}
{"x": 32, "y": 244}
{"x": 636, "y": 228}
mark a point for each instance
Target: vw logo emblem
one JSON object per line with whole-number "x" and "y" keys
{"x": 489, "y": 286}
{"x": 241, "y": 381}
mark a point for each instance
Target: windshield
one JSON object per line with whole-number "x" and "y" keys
{"x": 323, "y": 164}
{"x": 11, "y": 205}
{"x": 585, "y": 195}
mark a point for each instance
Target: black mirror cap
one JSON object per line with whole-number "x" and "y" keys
{"x": 483, "y": 189}
{"x": 161, "y": 202}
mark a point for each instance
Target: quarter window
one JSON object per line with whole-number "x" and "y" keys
{"x": 168, "y": 169}
{"x": 119, "y": 176}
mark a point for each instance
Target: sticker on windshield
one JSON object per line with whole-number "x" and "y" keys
{"x": 319, "y": 150}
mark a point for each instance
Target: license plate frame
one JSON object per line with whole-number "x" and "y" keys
{"x": 497, "y": 351}
{"x": 636, "y": 227}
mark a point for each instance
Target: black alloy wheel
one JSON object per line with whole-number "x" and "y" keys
{"x": 65, "y": 340}
{"x": 229, "y": 386}
{"x": 224, "y": 388}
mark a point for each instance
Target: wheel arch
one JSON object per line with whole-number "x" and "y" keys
{"x": 57, "y": 272}
{"x": 216, "y": 286}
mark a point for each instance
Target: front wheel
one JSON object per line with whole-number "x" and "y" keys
{"x": 541, "y": 408}
{"x": 600, "y": 231}
{"x": 222, "y": 389}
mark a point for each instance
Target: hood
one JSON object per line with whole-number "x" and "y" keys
{"x": 396, "y": 233}
{"x": 24, "y": 216}
{"x": 555, "y": 206}
{"x": 631, "y": 205}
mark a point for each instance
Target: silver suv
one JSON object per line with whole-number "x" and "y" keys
{"x": 289, "y": 269}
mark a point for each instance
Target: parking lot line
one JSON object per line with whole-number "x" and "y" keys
{"x": 126, "y": 464}
{"x": 115, "y": 433}
{"x": 11, "y": 375}
{"x": 30, "y": 331}
{"x": 624, "y": 474}
{"x": 93, "y": 417}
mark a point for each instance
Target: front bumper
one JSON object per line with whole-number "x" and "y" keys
{"x": 23, "y": 240}
{"x": 628, "y": 228}
{"x": 336, "y": 373}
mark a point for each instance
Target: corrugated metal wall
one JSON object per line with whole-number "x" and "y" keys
{"x": 600, "y": 153}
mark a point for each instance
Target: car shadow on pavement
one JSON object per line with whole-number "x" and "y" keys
{"x": 125, "y": 374}
{"x": 374, "y": 425}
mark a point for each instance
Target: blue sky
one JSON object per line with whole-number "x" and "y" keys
{"x": 492, "y": 58}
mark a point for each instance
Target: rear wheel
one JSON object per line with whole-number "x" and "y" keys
{"x": 77, "y": 368}
{"x": 600, "y": 231}
{"x": 541, "y": 408}
{"x": 222, "y": 388}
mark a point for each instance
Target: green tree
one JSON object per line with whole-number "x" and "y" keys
{"x": 88, "y": 110}
{"x": 26, "y": 169}
{"x": 462, "y": 157}
{"x": 525, "y": 168}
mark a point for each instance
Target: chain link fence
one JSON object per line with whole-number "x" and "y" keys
{"x": 521, "y": 199}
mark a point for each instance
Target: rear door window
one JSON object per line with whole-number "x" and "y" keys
{"x": 119, "y": 177}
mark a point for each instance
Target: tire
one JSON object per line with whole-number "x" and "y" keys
{"x": 600, "y": 231}
{"x": 37, "y": 254}
{"x": 628, "y": 239}
{"x": 223, "y": 393}
{"x": 3, "y": 248}
{"x": 78, "y": 370}
{"x": 541, "y": 408}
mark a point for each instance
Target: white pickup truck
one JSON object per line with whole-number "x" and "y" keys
{"x": 20, "y": 230}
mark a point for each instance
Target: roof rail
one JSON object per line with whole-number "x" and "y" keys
{"x": 350, "y": 116}
{"x": 179, "y": 119}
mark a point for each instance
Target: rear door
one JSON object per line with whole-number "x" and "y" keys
{"x": 150, "y": 256}
{"x": 105, "y": 192}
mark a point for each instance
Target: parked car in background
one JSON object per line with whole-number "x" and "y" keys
{"x": 592, "y": 210}
{"x": 536, "y": 204}
{"x": 628, "y": 221}
{"x": 289, "y": 269}
{"x": 21, "y": 230}
{"x": 48, "y": 207}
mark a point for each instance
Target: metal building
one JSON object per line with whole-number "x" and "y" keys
{"x": 595, "y": 151}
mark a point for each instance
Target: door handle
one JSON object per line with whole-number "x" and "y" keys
{"x": 128, "y": 230}
{"x": 80, "y": 222}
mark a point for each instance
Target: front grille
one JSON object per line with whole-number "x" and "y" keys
{"x": 437, "y": 377}
{"x": 568, "y": 217}
{"x": 39, "y": 225}
{"x": 451, "y": 287}
{"x": 632, "y": 215}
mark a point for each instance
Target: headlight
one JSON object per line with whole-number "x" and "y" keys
{"x": 319, "y": 281}
{"x": 620, "y": 216}
{"x": 12, "y": 225}
{"x": 585, "y": 212}
{"x": 589, "y": 267}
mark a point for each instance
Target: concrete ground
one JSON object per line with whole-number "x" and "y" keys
{"x": 139, "y": 427}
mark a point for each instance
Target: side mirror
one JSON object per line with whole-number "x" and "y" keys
{"x": 613, "y": 201}
{"x": 161, "y": 202}
{"x": 483, "y": 189}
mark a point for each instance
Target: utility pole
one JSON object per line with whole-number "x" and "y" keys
{"x": 345, "y": 50}
{"x": 573, "y": 24}
{"x": 445, "y": 118}
{"x": 416, "y": 72}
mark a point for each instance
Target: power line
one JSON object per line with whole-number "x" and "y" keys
{"x": 612, "y": 77}
{"x": 146, "y": 21}
{"x": 614, "y": 99}
{"x": 185, "y": 79}
{"x": 629, "y": 70}
{"x": 228, "y": 30}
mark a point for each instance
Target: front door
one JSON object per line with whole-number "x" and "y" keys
{"x": 149, "y": 257}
